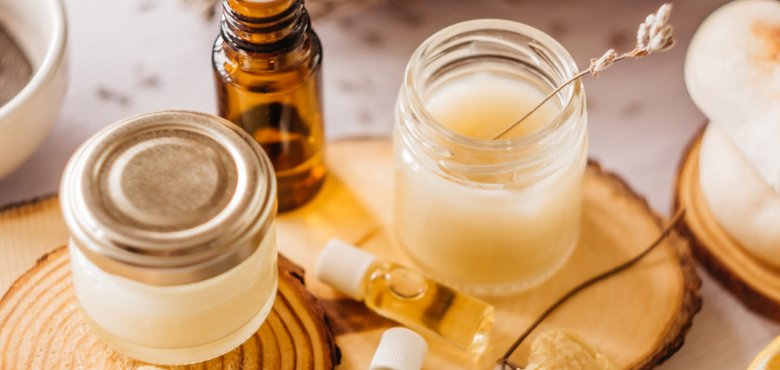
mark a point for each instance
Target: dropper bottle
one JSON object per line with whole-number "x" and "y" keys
{"x": 405, "y": 296}
{"x": 267, "y": 70}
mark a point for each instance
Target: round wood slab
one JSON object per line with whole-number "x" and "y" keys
{"x": 41, "y": 326}
{"x": 753, "y": 282}
{"x": 638, "y": 318}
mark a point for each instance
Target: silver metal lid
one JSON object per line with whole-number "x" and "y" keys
{"x": 169, "y": 198}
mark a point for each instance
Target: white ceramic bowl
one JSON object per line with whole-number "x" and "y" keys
{"x": 39, "y": 27}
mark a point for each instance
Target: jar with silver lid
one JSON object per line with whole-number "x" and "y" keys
{"x": 173, "y": 244}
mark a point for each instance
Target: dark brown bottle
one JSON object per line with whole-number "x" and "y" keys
{"x": 267, "y": 70}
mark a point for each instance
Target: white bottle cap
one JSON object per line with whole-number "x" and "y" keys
{"x": 399, "y": 349}
{"x": 342, "y": 266}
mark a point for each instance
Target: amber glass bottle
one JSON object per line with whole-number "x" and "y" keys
{"x": 267, "y": 69}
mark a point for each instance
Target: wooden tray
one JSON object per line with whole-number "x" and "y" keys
{"x": 752, "y": 281}
{"x": 638, "y": 318}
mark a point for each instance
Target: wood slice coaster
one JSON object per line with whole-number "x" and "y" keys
{"x": 41, "y": 326}
{"x": 638, "y": 318}
{"x": 752, "y": 281}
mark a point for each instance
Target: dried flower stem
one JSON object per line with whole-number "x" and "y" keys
{"x": 653, "y": 35}
{"x": 504, "y": 364}
{"x": 206, "y": 8}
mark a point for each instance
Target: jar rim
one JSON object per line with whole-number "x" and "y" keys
{"x": 572, "y": 91}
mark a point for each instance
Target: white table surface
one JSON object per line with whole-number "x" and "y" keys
{"x": 135, "y": 56}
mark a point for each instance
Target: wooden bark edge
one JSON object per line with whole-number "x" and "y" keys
{"x": 295, "y": 274}
{"x": 751, "y": 297}
{"x": 290, "y": 273}
{"x": 27, "y": 202}
{"x": 692, "y": 301}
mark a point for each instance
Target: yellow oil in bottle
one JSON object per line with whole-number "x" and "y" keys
{"x": 406, "y": 296}
{"x": 413, "y": 300}
{"x": 267, "y": 70}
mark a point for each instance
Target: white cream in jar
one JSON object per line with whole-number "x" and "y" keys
{"x": 490, "y": 216}
{"x": 173, "y": 243}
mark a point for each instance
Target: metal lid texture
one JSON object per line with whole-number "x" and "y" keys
{"x": 169, "y": 198}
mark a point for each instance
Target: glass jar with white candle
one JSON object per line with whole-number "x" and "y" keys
{"x": 173, "y": 244}
{"x": 489, "y": 216}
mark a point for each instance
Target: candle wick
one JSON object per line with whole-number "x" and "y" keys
{"x": 653, "y": 35}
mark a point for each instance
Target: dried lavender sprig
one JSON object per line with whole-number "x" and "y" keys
{"x": 653, "y": 35}
{"x": 206, "y": 8}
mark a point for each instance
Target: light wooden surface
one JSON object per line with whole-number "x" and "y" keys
{"x": 637, "y": 318}
{"x": 41, "y": 327}
{"x": 135, "y": 56}
{"x": 658, "y": 297}
{"x": 747, "y": 277}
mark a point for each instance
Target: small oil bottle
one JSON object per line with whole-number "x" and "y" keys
{"x": 267, "y": 69}
{"x": 406, "y": 296}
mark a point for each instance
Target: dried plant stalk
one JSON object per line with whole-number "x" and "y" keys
{"x": 206, "y": 8}
{"x": 503, "y": 363}
{"x": 653, "y": 35}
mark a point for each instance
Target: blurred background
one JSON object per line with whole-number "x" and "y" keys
{"x": 135, "y": 56}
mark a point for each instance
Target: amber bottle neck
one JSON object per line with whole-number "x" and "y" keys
{"x": 265, "y": 27}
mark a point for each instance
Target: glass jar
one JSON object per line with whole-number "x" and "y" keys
{"x": 489, "y": 216}
{"x": 173, "y": 244}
